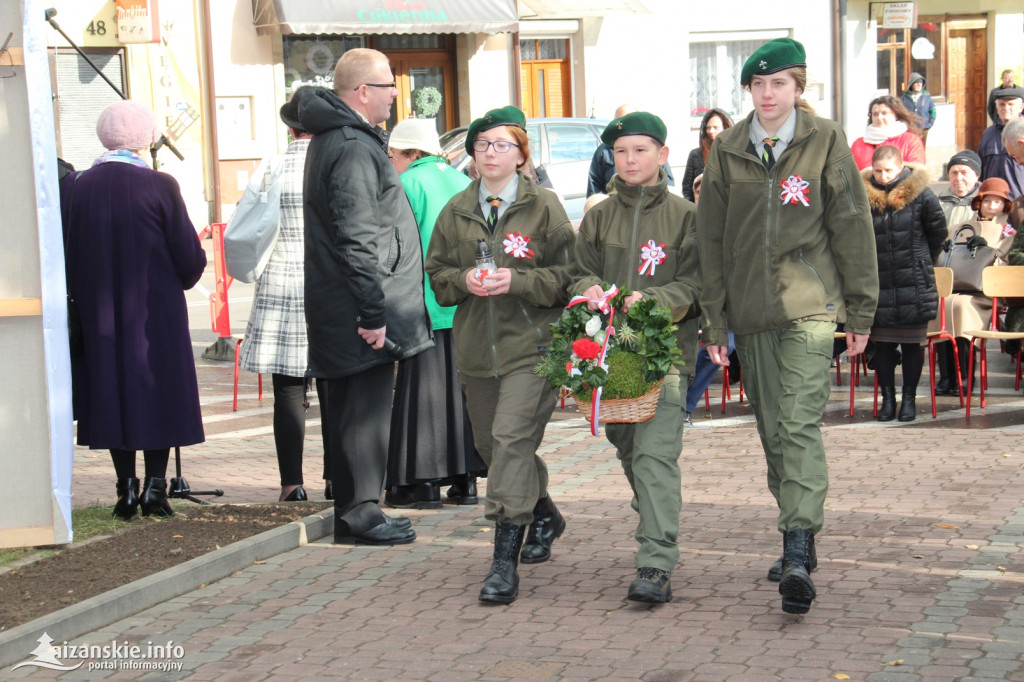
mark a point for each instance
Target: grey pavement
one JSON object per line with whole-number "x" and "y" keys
{"x": 920, "y": 574}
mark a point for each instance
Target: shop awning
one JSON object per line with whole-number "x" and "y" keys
{"x": 384, "y": 16}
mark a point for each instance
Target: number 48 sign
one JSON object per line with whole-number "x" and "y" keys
{"x": 137, "y": 21}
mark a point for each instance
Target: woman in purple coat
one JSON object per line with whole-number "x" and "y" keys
{"x": 131, "y": 252}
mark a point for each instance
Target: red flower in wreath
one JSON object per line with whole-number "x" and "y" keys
{"x": 586, "y": 349}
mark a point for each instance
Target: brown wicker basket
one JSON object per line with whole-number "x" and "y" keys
{"x": 624, "y": 410}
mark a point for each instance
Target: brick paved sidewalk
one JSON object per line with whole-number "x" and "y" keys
{"x": 920, "y": 574}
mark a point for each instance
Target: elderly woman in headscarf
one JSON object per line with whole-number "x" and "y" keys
{"x": 131, "y": 253}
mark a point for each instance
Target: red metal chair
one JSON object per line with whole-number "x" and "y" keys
{"x": 944, "y": 284}
{"x": 1004, "y": 281}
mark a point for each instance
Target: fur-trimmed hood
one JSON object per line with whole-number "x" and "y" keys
{"x": 900, "y": 195}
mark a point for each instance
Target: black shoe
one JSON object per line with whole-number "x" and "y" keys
{"x": 463, "y": 491}
{"x": 398, "y": 521}
{"x": 416, "y": 496}
{"x": 944, "y": 386}
{"x": 651, "y": 586}
{"x": 887, "y": 412}
{"x": 381, "y": 534}
{"x": 127, "y": 498}
{"x": 501, "y": 586}
{"x": 796, "y": 586}
{"x": 547, "y": 525}
{"x": 908, "y": 410}
{"x": 154, "y": 498}
{"x": 296, "y": 495}
{"x": 775, "y": 572}
{"x": 329, "y": 491}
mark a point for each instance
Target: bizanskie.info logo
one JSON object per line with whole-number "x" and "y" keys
{"x": 114, "y": 656}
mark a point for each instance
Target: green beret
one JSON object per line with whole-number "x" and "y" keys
{"x": 772, "y": 57}
{"x": 505, "y": 116}
{"x": 635, "y": 123}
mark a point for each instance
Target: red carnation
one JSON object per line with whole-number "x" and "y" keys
{"x": 586, "y": 349}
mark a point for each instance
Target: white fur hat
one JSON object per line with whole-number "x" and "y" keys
{"x": 416, "y": 133}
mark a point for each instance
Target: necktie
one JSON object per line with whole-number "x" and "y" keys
{"x": 492, "y": 219}
{"x": 768, "y": 156}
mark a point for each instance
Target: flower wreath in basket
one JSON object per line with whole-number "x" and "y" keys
{"x": 610, "y": 353}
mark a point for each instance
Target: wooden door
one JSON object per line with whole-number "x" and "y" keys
{"x": 417, "y": 70}
{"x": 967, "y": 84}
{"x": 547, "y": 91}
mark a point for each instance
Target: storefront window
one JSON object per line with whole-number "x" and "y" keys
{"x": 310, "y": 60}
{"x": 715, "y": 69}
{"x": 905, "y": 51}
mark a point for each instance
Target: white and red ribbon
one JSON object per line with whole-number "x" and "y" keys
{"x": 651, "y": 256}
{"x": 603, "y": 303}
{"x": 1008, "y": 230}
{"x": 795, "y": 190}
{"x": 517, "y": 245}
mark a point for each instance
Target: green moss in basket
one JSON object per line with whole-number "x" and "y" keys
{"x": 625, "y": 378}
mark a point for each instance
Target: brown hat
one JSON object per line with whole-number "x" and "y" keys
{"x": 996, "y": 187}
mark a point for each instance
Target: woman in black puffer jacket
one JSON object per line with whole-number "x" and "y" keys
{"x": 909, "y": 231}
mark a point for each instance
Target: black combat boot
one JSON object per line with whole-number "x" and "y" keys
{"x": 154, "y": 497}
{"x": 547, "y": 525}
{"x": 796, "y": 587}
{"x": 908, "y": 410}
{"x": 887, "y": 412}
{"x": 775, "y": 572}
{"x": 501, "y": 586}
{"x": 127, "y": 498}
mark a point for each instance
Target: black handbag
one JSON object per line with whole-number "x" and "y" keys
{"x": 76, "y": 338}
{"x": 967, "y": 258}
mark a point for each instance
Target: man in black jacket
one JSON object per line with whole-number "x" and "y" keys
{"x": 363, "y": 286}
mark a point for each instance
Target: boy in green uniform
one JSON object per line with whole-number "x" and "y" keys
{"x": 787, "y": 250}
{"x": 643, "y": 238}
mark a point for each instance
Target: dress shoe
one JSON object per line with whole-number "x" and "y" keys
{"x": 463, "y": 491}
{"x": 908, "y": 410}
{"x": 651, "y": 586}
{"x": 416, "y": 496}
{"x": 944, "y": 386}
{"x": 381, "y": 534}
{"x": 547, "y": 525}
{"x": 154, "y": 498}
{"x": 775, "y": 572}
{"x": 296, "y": 495}
{"x": 127, "y": 498}
{"x": 398, "y": 521}
{"x": 329, "y": 491}
{"x": 501, "y": 586}
{"x": 887, "y": 412}
{"x": 796, "y": 586}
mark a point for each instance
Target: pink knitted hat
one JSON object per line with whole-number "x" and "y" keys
{"x": 127, "y": 125}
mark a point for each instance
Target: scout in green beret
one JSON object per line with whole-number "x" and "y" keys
{"x": 787, "y": 251}
{"x": 502, "y": 325}
{"x": 505, "y": 116}
{"x": 643, "y": 238}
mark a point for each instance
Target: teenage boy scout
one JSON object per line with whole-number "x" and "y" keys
{"x": 787, "y": 250}
{"x": 640, "y": 213}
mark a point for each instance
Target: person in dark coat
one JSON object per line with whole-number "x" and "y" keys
{"x": 920, "y": 102}
{"x": 714, "y": 122}
{"x": 131, "y": 252}
{"x": 1006, "y": 80}
{"x": 996, "y": 162}
{"x": 909, "y": 232}
{"x": 363, "y": 287}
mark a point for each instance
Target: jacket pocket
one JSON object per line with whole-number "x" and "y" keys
{"x": 392, "y": 252}
{"x": 529, "y": 320}
{"x": 814, "y": 272}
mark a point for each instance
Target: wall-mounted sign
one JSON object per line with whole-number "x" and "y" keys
{"x": 137, "y": 21}
{"x": 899, "y": 15}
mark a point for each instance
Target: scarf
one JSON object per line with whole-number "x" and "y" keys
{"x": 877, "y": 136}
{"x": 120, "y": 156}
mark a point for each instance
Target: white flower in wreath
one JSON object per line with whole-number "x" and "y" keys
{"x": 593, "y": 325}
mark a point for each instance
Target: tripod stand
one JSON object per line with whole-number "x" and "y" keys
{"x": 179, "y": 486}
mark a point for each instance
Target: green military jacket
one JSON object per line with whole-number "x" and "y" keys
{"x": 495, "y": 335}
{"x": 794, "y": 243}
{"x": 610, "y": 248}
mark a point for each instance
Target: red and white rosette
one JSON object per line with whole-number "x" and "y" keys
{"x": 517, "y": 245}
{"x": 651, "y": 256}
{"x": 795, "y": 190}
